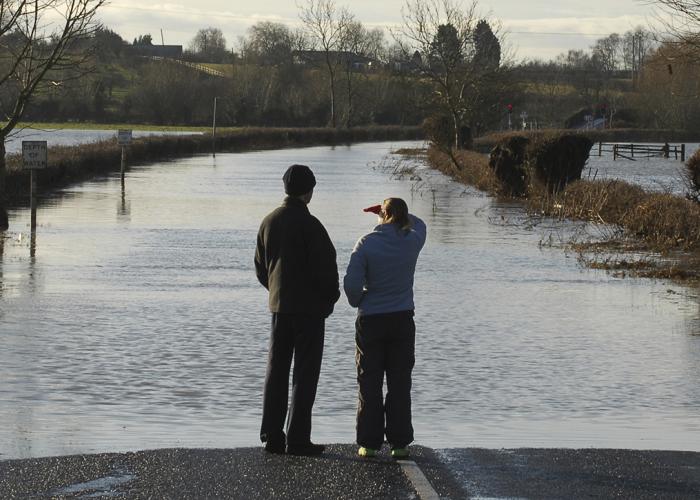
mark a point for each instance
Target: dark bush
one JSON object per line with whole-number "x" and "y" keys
{"x": 626, "y": 118}
{"x": 465, "y": 138}
{"x": 507, "y": 160}
{"x": 558, "y": 159}
{"x": 693, "y": 166}
{"x": 578, "y": 119}
{"x": 439, "y": 130}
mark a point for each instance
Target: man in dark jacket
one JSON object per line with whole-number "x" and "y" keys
{"x": 296, "y": 261}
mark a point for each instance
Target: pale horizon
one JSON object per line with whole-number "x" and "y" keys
{"x": 536, "y": 30}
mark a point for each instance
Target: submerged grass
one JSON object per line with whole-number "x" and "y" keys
{"x": 663, "y": 224}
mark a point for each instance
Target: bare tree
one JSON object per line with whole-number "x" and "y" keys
{"x": 357, "y": 47}
{"x": 607, "y": 53}
{"x": 680, "y": 20}
{"x": 438, "y": 37}
{"x": 209, "y": 44}
{"x": 326, "y": 26}
{"x": 37, "y": 37}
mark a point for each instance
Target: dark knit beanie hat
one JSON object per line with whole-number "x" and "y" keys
{"x": 298, "y": 180}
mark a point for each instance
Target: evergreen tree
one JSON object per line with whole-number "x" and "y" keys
{"x": 487, "y": 48}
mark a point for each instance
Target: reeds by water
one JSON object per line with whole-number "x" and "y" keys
{"x": 658, "y": 222}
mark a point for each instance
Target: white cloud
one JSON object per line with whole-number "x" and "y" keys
{"x": 533, "y": 33}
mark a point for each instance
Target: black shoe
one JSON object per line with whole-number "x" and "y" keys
{"x": 276, "y": 447}
{"x": 307, "y": 450}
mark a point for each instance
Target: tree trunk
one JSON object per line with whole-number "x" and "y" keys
{"x": 3, "y": 199}
{"x": 333, "y": 124}
{"x": 348, "y": 121}
{"x": 458, "y": 131}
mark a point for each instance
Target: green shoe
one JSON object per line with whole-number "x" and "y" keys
{"x": 367, "y": 452}
{"x": 399, "y": 453}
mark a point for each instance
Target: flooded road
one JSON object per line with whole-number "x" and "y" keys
{"x": 135, "y": 320}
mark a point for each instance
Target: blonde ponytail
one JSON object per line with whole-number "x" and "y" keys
{"x": 396, "y": 212}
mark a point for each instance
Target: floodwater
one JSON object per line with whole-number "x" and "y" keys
{"x": 70, "y": 137}
{"x": 666, "y": 175}
{"x": 134, "y": 320}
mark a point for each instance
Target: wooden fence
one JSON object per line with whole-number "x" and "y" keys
{"x": 630, "y": 151}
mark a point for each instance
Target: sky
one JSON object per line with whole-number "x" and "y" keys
{"x": 537, "y": 29}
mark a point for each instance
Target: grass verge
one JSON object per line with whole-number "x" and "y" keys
{"x": 116, "y": 126}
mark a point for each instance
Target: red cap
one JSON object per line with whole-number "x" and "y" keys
{"x": 375, "y": 209}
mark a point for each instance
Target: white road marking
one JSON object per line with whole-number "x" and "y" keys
{"x": 423, "y": 487}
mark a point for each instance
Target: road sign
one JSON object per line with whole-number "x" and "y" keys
{"x": 124, "y": 137}
{"x": 34, "y": 154}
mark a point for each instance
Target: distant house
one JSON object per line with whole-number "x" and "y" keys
{"x": 317, "y": 58}
{"x": 172, "y": 51}
{"x": 408, "y": 65}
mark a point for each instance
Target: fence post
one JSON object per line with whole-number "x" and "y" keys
{"x": 600, "y": 148}
{"x": 213, "y": 130}
{"x": 123, "y": 162}
{"x": 683, "y": 152}
{"x": 614, "y": 152}
{"x": 32, "y": 199}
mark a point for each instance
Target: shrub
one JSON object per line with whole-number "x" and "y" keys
{"x": 666, "y": 221}
{"x": 557, "y": 159}
{"x": 440, "y": 131}
{"x": 550, "y": 159}
{"x": 507, "y": 160}
{"x": 607, "y": 201}
{"x": 693, "y": 166}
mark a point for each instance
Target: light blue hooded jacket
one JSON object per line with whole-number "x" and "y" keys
{"x": 379, "y": 278}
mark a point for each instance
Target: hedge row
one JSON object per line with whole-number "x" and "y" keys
{"x": 69, "y": 164}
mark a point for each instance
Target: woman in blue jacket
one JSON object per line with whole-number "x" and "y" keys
{"x": 379, "y": 282}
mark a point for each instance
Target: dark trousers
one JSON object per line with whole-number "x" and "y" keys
{"x": 300, "y": 337}
{"x": 385, "y": 344}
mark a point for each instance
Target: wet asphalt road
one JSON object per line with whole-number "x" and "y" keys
{"x": 456, "y": 473}
{"x": 575, "y": 474}
{"x": 248, "y": 473}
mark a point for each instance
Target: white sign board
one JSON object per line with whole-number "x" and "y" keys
{"x": 124, "y": 137}
{"x": 34, "y": 154}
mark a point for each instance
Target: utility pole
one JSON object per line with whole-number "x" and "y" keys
{"x": 634, "y": 61}
{"x": 213, "y": 131}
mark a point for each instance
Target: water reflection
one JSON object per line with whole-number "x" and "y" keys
{"x": 124, "y": 207}
{"x": 2, "y": 252}
{"x": 148, "y": 328}
{"x": 32, "y": 269}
